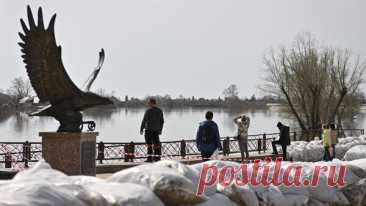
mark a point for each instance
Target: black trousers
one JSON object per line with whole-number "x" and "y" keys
{"x": 327, "y": 156}
{"x": 284, "y": 148}
{"x": 153, "y": 146}
{"x": 334, "y": 154}
{"x": 206, "y": 156}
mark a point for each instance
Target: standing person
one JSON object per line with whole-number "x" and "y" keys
{"x": 208, "y": 137}
{"x": 152, "y": 123}
{"x": 333, "y": 138}
{"x": 243, "y": 124}
{"x": 327, "y": 143}
{"x": 283, "y": 141}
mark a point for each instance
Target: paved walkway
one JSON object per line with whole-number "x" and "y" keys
{"x": 119, "y": 165}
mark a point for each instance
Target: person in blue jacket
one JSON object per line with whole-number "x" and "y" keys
{"x": 208, "y": 137}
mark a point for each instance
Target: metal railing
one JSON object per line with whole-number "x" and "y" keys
{"x": 20, "y": 155}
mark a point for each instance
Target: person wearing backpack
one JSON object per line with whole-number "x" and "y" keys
{"x": 208, "y": 137}
{"x": 243, "y": 125}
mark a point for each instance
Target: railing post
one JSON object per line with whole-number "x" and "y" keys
{"x": 131, "y": 151}
{"x": 26, "y": 153}
{"x": 259, "y": 147}
{"x": 101, "y": 152}
{"x": 362, "y": 131}
{"x": 264, "y": 143}
{"x": 126, "y": 148}
{"x": 294, "y": 136}
{"x": 183, "y": 148}
{"x": 226, "y": 146}
{"x": 8, "y": 160}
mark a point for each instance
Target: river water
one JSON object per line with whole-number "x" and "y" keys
{"x": 122, "y": 125}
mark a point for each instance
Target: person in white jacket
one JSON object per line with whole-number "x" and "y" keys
{"x": 243, "y": 122}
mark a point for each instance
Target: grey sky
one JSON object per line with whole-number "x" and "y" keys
{"x": 190, "y": 47}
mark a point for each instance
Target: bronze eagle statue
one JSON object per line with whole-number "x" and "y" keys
{"x": 49, "y": 79}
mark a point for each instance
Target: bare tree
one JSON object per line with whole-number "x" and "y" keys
{"x": 313, "y": 81}
{"x": 19, "y": 89}
{"x": 231, "y": 92}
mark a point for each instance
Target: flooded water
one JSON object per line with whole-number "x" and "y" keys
{"x": 122, "y": 125}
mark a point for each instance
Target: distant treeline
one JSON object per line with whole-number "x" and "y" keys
{"x": 167, "y": 101}
{"x": 8, "y": 102}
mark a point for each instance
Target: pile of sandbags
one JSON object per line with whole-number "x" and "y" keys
{"x": 167, "y": 183}
{"x": 313, "y": 151}
{"x": 43, "y": 186}
{"x": 173, "y": 183}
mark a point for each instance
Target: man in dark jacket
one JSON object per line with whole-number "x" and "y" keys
{"x": 284, "y": 139}
{"x": 208, "y": 137}
{"x": 152, "y": 123}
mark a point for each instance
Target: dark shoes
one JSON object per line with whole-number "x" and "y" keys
{"x": 152, "y": 160}
{"x": 149, "y": 160}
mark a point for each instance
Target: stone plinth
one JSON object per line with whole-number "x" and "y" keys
{"x": 71, "y": 153}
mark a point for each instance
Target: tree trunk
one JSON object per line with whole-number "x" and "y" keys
{"x": 343, "y": 94}
{"x": 294, "y": 110}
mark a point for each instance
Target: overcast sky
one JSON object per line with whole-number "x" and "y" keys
{"x": 188, "y": 47}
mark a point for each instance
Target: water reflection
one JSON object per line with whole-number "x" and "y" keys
{"x": 123, "y": 124}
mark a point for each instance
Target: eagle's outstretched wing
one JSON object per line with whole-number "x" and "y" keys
{"x": 43, "y": 61}
{"x": 88, "y": 83}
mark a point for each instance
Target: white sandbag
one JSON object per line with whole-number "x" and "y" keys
{"x": 38, "y": 193}
{"x": 322, "y": 191}
{"x": 353, "y": 173}
{"x": 44, "y": 171}
{"x": 211, "y": 190}
{"x": 342, "y": 199}
{"x": 293, "y": 190}
{"x": 125, "y": 194}
{"x": 360, "y": 163}
{"x": 296, "y": 200}
{"x": 50, "y": 186}
{"x": 170, "y": 186}
{"x": 269, "y": 195}
{"x": 295, "y": 151}
{"x": 356, "y": 152}
{"x": 285, "y": 189}
{"x": 4, "y": 182}
{"x": 356, "y": 193}
{"x": 217, "y": 200}
{"x": 84, "y": 180}
{"x": 218, "y": 163}
{"x": 275, "y": 196}
{"x": 182, "y": 169}
{"x": 314, "y": 202}
{"x": 86, "y": 196}
{"x": 241, "y": 195}
{"x": 313, "y": 151}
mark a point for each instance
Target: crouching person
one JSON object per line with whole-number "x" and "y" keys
{"x": 208, "y": 137}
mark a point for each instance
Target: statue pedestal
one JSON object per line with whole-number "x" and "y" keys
{"x": 71, "y": 153}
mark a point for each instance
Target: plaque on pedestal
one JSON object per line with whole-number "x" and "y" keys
{"x": 71, "y": 153}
